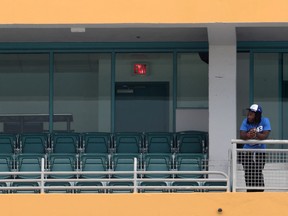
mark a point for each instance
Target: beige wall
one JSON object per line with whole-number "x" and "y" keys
{"x": 136, "y": 11}
{"x": 232, "y": 204}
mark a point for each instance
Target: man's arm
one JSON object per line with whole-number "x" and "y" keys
{"x": 247, "y": 135}
{"x": 252, "y": 134}
{"x": 262, "y": 136}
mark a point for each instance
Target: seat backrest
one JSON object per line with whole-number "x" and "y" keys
{"x": 154, "y": 184}
{"x": 33, "y": 143}
{"x": 62, "y": 162}
{"x": 89, "y": 190}
{"x": 161, "y": 142}
{"x": 3, "y": 185}
{"x": 96, "y": 142}
{"x": 94, "y": 162}
{"x": 8, "y": 143}
{"x": 29, "y": 163}
{"x": 114, "y": 189}
{"x": 157, "y": 162}
{"x": 215, "y": 184}
{"x": 189, "y": 162}
{"x": 125, "y": 142}
{"x": 185, "y": 185}
{"x": 25, "y": 184}
{"x": 6, "y": 164}
{"x": 191, "y": 142}
{"x": 124, "y": 162}
{"x": 66, "y": 189}
{"x": 65, "y": 142}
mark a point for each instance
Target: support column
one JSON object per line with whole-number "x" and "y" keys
{"x": 222, "y": 89}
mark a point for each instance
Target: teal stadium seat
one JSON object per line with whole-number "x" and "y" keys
{"x": 62, "y": 162}
{"x": 96, "y": 142}
{"x": 192, "y": 142}
{"x": 215, "y": 184}
{"x": 29, "y": 163}
{"x": 8, "y": 143}
{"x": 153, "y": 184}
{"x": 157, "y": 162}
{"x": 128, "y": 142}
{"x": 33, "y": 143}
{"x": 65, "y": 142}
{"x": 89, "y": 190}
{"x": 65, "y": 187}
{"x": 25, "y": 184}
{"x": 6, "y": 165}
{"x": 94, "y": 162}
{"x": 125, "y": 162}
{"x": 119, "y": 185}
{"x": 189, "y": 162}
{"x": 2, "y": 188}
{"x": 185, "y": 187}
{"x": 159, "y": 142}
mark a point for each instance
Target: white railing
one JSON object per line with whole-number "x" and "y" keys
{"x": 136, "y": 180}
{"x": 275, "y": 166}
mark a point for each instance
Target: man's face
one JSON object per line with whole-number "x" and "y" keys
{"x": 251, "y": 116}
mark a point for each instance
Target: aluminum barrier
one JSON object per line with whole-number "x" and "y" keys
{"x": 219, "y": 181}
{"x": 260, "y": 169}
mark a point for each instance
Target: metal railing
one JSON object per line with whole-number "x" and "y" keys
{"x": 137, "y": 181}
{"x": 264, "y": 170}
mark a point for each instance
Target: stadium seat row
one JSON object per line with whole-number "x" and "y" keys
{"x": 100, "y": 142}
{"x": 115, "y": 187}
{"x": 102, "y": 163}
{"x": 56, "y": 162}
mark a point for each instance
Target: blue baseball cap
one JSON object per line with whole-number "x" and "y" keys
{"x": 255, "y": 108}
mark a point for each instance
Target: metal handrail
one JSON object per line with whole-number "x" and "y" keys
{"x": 235, "y": 150}
{"x": 136, "y": 179}
{"x": 267, "y": 141}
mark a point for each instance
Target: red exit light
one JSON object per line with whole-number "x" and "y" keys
{"x": 140, "y": 69}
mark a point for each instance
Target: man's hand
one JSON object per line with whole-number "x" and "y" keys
{"x": 251, "y": 134}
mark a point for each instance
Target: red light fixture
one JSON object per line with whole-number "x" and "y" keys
{"x": 140, "y": 69}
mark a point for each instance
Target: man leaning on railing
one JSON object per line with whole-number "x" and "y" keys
{"x": 254, "y": 126}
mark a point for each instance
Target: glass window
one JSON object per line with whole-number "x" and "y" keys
{"x": 266, "y": 89}
{"x": 82, "y": 85}
{"x": 144, "y": 101}
{"x": 192, "y": 80}
{"x": 24, "y": 92}
{"x": 285, "y": 96}
{"x": 243, "y": 87}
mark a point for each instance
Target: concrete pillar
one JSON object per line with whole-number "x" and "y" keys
{"x": 222, "y": 89}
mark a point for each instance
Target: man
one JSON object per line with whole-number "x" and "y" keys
{"x": 254, "y": 127}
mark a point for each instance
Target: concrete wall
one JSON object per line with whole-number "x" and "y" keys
{"x": 149, "y": 11}
{"x": 232, "y": 204}
{"x": 192, "y": 119}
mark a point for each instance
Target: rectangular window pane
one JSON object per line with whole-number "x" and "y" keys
{"x": 285, "y": 96}
{"x": 24, "y": 92}
{"x": 144, "y": 101}
{"x": 192, "y": 81}
{"x": 243, "y": 84}
{"x": 82, "y": 84}
{"x": 266, "y": 88}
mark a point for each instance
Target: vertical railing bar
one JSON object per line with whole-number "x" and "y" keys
{"x": 42, "y": 175}
{"x": 135, "y": 176}
{"x": 229, "y": 170}
{"x": 234, "y": 166}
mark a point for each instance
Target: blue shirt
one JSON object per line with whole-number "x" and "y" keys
{"x": 264, "y": 125}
